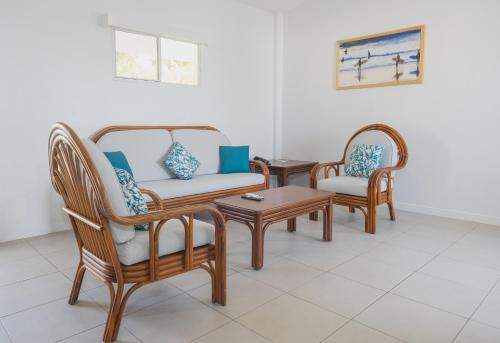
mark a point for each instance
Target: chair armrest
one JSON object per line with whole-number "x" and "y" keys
{"x": 326, "y": 167}
{"x": 263, "y": 168}
{"x": 375, "y": 184}
{"x": 155, "y": 197}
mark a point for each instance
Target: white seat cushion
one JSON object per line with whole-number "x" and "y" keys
{"x": 204, "y": 145}
{"x": 348, "y": 185}
{"x": 145, "y": 151}
{"x": 120, "y": 233}
{"x": 172, "y": 188}
{"x": 171, "y": 240}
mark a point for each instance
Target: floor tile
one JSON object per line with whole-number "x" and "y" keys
{"x": 478, "y": 333}
{"x": 145, "y": 296}
{"x": 399, "y": 257}
{"x": 177, "y": 320}
{"x": 283, "y": 274}
{"x": 288, "y": 319}
{"x": 90, "y": 281}
{"x": 24, "y": 269}
{"x": 54, "y": 242}
{"x": 372, "y": 272}
{"x": 16, "y": 250}
{"x": 64, "y": 259}
{"x": 354, "y": 332}
{"x": 443, "y": 231}
{"x": 243, "y": 294}
{"x": 411, "y": 321}
{"x": 54, "y": 321}
{"x": 4, "y": 338}
{"x": 96, "y": 334}
{"x": 477, "y": 255}
{"x": 193, "y": 279}
{"x": 33, "y": 292}
{"x": 420, "y": 243}
{"x": 232, "y": 332}
{"x": 440, "y": 293}
{"x": 239, "y": 256}
{"x": 489, "y": 311}
{"x": 335, "y": 293}
{"x": 323, "y": 257}
{"x": 237, "y": 232}
{"x": 463, "y": 273}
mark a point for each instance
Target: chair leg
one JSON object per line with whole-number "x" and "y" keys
{"x": 121, "y": 310}
{"x": 371, "y": 219}
{"x": 77, "y": 284}
{"x": 351, "y": 209}
{"x": 114, "y": 306}
{"x": 392, "y": 213}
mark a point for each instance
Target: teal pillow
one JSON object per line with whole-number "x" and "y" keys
{"x": 133, "y": 196}
{"x": 234, "y": 159}
{"x": 118, "y": 160}
{"x": 364, "y": 160}
{"x": 181, "y": 162}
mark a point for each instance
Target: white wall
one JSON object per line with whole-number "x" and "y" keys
{"x": 451, "y": 122}
{"x": 56, "y": 63}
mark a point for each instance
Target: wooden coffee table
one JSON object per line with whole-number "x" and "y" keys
{"x": 284, "y": 203}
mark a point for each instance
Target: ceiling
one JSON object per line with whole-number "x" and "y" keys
{"x": 273, "y": 5}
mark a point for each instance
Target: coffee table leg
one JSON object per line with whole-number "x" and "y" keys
{"x": 328, "y": 223}
{"x": 257, "y": 244}
{"x": 291, "y": 225}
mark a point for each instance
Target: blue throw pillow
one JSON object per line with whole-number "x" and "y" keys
{"x": 118, "y": 160}
{"x": 364, "y": 159}
{"x": 133, "y": 196}
{"x": 180, "y": 162}
{"x": 234, "y": 159}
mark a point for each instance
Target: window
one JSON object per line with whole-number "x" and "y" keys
{"x": 179, "y": 62}
{"x": 137, "y": 57}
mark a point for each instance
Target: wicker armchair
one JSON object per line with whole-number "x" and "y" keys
{"x": 87, "y": 202}
{"x": 363, "y": 193}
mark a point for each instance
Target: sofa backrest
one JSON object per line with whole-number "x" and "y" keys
{"x": 145, "y": 150}
{"x": 204, "y": 145}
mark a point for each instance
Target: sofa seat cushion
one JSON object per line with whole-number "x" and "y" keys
{"x": 350, "y": 185}
{"x": 171, "y": 240}
{"x": 173, "y": 188}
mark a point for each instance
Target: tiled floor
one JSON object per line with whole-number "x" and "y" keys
{"x": 420, "y": 279}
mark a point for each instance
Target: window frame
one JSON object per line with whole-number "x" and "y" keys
{"x": 158, "y": 39}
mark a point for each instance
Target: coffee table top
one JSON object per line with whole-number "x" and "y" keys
{"x": 275, "y": 198}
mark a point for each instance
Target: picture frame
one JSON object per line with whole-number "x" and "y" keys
{"x": 390, "y": 58}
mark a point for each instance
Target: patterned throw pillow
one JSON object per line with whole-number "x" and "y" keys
{"x": 133, "y": 197}
{"x": 180, "y": 162}
{"x": 364, "y": 159}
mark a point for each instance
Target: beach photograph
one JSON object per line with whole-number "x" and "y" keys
{"x": 390, "y": 58}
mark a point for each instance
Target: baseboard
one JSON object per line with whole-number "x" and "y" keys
{"x": 455, "y": 214}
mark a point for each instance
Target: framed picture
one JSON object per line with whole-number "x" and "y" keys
{"x": 383, "y": 59}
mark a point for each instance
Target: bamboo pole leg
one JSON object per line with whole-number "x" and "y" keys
{"x": 391, "y": 210}
{"x": 313, "y": 216}
{"x": 77, "y": 284}
{"x": 351, "y": 209}
{"x": 371, "y": 219}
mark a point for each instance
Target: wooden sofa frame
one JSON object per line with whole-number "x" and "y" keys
{"x": 75, "y": 177}
{"x": 375, "y": 196}
{"x": 198, "y": 198}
